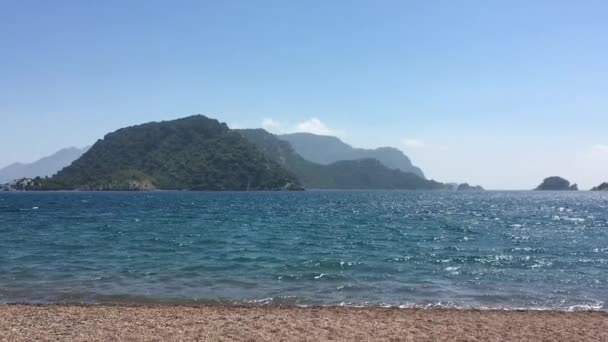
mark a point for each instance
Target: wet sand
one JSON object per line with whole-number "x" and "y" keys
{"x": 232, "y": 323}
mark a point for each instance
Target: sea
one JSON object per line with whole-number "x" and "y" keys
{"x": 427, "y": 249}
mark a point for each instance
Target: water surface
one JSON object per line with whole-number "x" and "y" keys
{"x": 471, "y": 249}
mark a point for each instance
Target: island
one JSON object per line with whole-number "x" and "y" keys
{"x": 601, "y": 187}
{"x": 557, "y": 184}
{"x": 193, "y": 153}
{"x": 198, "y": 153}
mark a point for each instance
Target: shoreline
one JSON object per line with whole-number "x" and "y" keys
{"x": 139, "y": 322}
{"x": 258, "y": 304}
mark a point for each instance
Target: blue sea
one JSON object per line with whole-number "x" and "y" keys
{"x": 538, "y": 250}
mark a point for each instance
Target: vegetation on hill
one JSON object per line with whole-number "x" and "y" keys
{"x": 346, "y": 174}
{"x": 193, "y": 153}
{"x": 43, "y": 167}
{"x": 556, "y": 183}
{"x": 369, "y": 174}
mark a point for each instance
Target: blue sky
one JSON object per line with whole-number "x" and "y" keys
{"x": 500, "y": 93}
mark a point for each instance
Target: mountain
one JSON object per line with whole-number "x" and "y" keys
{"x": 601, "y": 187}
{"x": 43, "y": 167}
{"x": 556, "y": 183}
{"x": 193, "y": 153}
{"x": 371, "y": 174}
{"x": 345, "y": 174}
{"x": 327, "y": 149}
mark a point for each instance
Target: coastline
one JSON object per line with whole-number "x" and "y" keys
{"x": 146, "y": 322}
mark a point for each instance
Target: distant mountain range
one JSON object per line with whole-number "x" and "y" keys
{"x": 199, "y": 153}
{"x": 364, "y": 173}
{"x": 327, "y": 149}
{"x": 46, "y": 166}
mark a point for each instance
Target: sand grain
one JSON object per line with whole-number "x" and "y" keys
{"x": 225, "y": 323}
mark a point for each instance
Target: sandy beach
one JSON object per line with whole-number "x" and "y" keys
{"x": 228, "y": 323}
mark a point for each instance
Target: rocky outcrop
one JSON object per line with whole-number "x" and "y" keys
{"x": 467, "y": 187}
{"x": 601, "y": 187}
{"x": 557, "y": 184}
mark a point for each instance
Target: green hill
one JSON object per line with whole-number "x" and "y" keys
{"x": 193, "y": 153}
{"x": 345, "y": 174}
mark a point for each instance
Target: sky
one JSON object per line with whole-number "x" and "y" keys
{"x": 496, "y": 93}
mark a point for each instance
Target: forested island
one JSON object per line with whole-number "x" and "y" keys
{"x": 199, "y": 153}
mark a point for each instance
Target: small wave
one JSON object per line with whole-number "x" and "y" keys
{"x": 279, "y": 300}
{"x": 312, "y": 276}
{"x": 567, "y": 218}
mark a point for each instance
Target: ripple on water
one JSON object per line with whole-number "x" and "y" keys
{"x": 421, "y": 249}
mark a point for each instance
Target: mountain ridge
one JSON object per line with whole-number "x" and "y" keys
{"x": 325, "y": 149}
{"x": 200, "y": 153}
{"x": 43, "y": 167}
{"x": 365, "y": 173}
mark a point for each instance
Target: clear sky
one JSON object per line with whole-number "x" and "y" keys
{"x": 497, "y": 93}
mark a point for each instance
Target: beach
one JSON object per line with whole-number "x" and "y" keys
{"x": 54, "y": 322}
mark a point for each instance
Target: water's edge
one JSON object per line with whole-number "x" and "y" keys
{"x": 489, "y": 250}
{"x": 153, "y": 305}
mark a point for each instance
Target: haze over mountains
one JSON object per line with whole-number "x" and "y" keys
{"x": 327, "y": 149}
{"x": 199, "y": 153}
{"x": 43, "y": 167}
{"x": 363, "y": 173}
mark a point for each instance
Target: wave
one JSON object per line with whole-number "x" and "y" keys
{"x": 285, "y": 301}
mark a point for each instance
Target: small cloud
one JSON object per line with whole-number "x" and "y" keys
{"x": 413, "y": 143}
{"x": 315, "y": 126}
{"x": 271, "y": 125}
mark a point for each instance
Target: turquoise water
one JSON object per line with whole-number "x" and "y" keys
{"x": 477, "y": 249}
